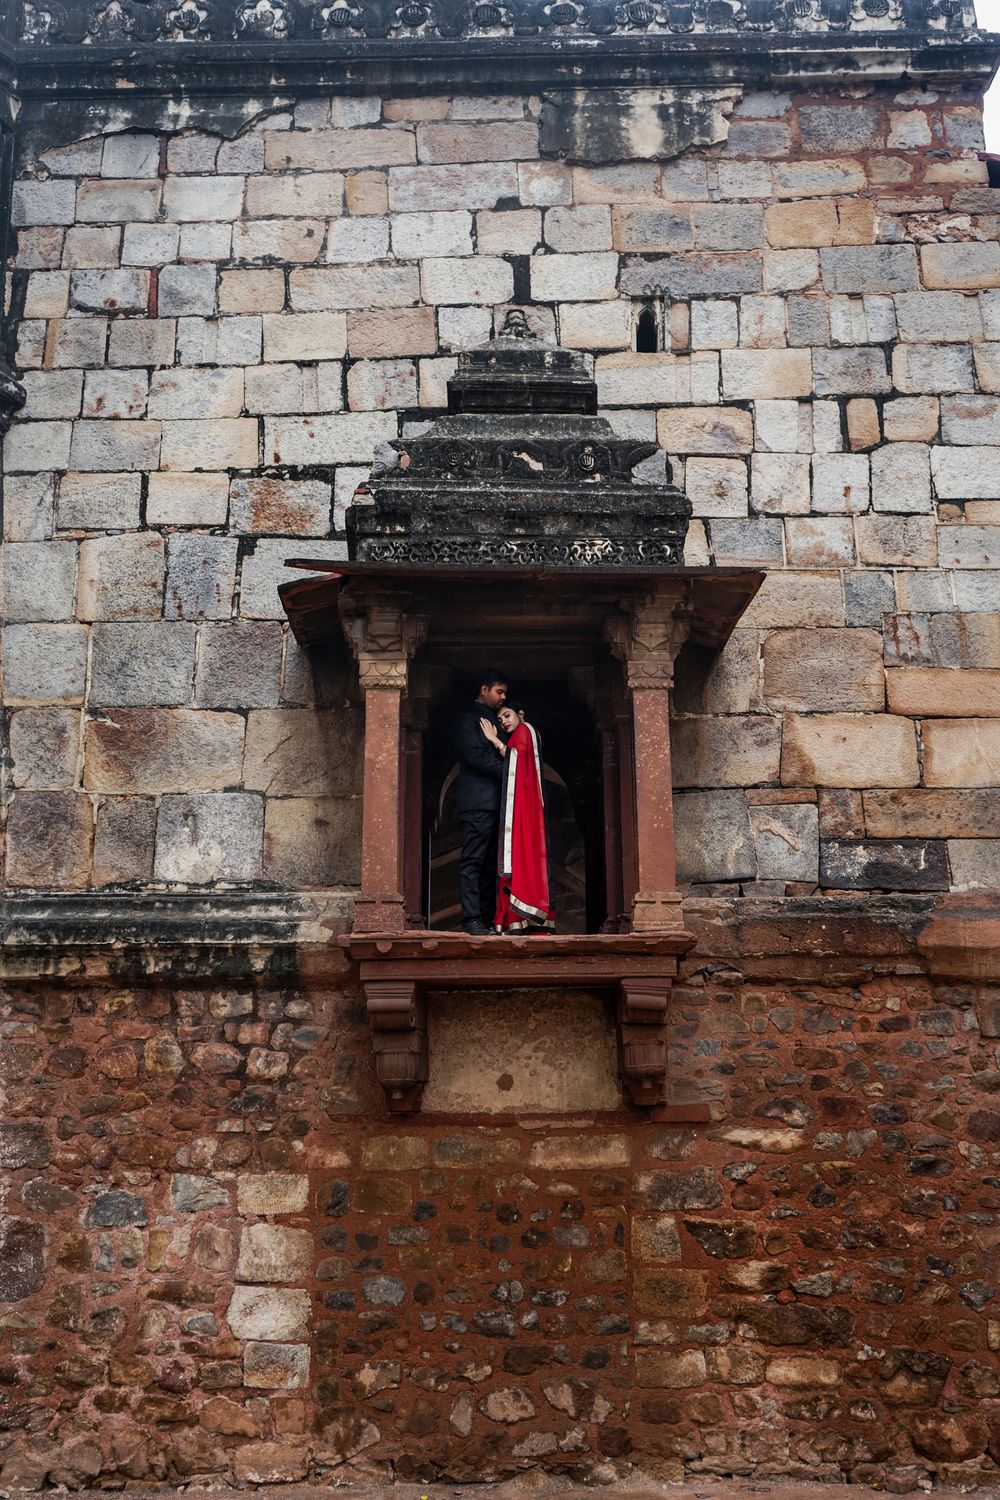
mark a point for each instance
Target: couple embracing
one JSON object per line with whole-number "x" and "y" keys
{"x": 503, "y": 872}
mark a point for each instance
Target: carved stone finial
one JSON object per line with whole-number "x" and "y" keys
{"x": 515, "y": 325}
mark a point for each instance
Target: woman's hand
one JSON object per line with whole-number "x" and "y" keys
{"x": 489, "y": 731}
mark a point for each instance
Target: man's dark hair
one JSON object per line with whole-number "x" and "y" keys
{"x": 490, "y": 677}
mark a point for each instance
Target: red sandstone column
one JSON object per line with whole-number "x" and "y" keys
{"x": 649, "y": 644}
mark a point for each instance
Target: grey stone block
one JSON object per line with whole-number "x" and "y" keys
{"x": 976, "y": 590}
{"x": 757, "y": 540}
{"x": 786, "y": 837}
{"x": 140, "y": 664}
{"x": 131, "y": 155}
{"x": 45, "y": 747}
{"x": 209, "y": 836}
{"x": 187, "y": 290}
{"x": 906, "y": 640}
{"x": 714, "y": 839}
{"x": 201, "y": 577}
{"x": 975, "y": 864}
{"x": 858, "y": 371}
{"x": 44, "y": 663}
{"x": 51, "y": 202}
{"x": 313, "y": 841}
{"x": 808, "y": 321}
{"x": 109, "y": 290}
{"x": 106, "y": 502}
{"x": 704, "y": 274}
{"x": 39, "y": 581}
{"x": 841, "y": 128}
{"x": 758, "y": 139}
{"x": 869, "y": 268}
{"x": 28, "y": 507}
{"x": 867, "y": 597}
{"x": 103, "y": 447}
{"x": 884, "y": 864}
{"x": 239, "y": 665}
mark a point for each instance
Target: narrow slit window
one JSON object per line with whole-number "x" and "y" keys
{"x": 647, "y": 331}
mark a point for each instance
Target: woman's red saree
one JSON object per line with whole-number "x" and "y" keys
{"x": 523, "y": 901}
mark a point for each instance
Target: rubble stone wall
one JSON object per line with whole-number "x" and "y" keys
{"x": 221, "y": 1260}
{"x": 216, "y": 333}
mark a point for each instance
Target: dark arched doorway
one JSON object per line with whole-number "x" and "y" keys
{"x": 571, "y": 751}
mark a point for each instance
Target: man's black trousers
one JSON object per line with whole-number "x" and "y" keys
{"x": 477, "y": 867}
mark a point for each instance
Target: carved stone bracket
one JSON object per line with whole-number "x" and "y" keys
{"x": 397, "y": 1014}
{"x": 642, "y": 1038}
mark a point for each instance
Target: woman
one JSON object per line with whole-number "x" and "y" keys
{"x": 523, "y": 901}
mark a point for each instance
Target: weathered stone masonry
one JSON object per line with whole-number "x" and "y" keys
{"x": 222, "y": 1259}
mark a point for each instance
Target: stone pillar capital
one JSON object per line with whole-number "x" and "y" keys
{"x": 648, "y": 637}
{"x": 384, "y": 639}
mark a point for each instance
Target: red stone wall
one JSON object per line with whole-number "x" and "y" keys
{"x": 222, "y": 1259}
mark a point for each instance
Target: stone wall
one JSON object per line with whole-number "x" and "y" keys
{"x": 216, "y": 333}
{"x": 221, "y": 1261}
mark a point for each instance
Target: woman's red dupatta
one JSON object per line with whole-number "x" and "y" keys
{"x": 523, "y": 900}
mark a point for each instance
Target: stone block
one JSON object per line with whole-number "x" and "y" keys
{"x": 275, "y": 1367}
{"x": 272, "y": 1192}
{"x": 313, "y": 841}
{"x": 966, "y": 473}
{"x": 196, "y": 393}
{"x": 29, "y": 508}
{"x": 344, "y": 439}
{"x": 929, "y": 368}
{"x": 304, "y": 336}
{"x": 958, "y": 815}
{"x": 841, "y": 127}
{"x": 671, "y": 1293}
{"x": 442, "y": 234}
{"x": 869, "y": 268}
{"x": 755, "y": 542}
{"x": 884, "y": 864}
{"x": 848, "y": 750}
{"x": 437, "y": 189}
{"x": 751, "y": 374}
{"x": 519, "y": 232}
{"x": 121, "y": 577}
{"x": 303, "y": 752}
{"x": 906, "y": 541}
{"x": 367, "y": 286}
{"x": 657, "y": 1369}
{"x": 727, "y": 226}
{"x": 397, "y": 332}
{"x": 987, "y": 362}
{"x": 780, "y": 483}
{"x": 32, "y": 447}
{"x": 120, "y": 394}
{"x": 124, "y": 840}
{"x": 49, "y": 838}
{"x": 44, "y": 663}
{"x": 975, "y": 864}
{"x": 264, "y": 568}
{"x": 655, "y": 1238}
{"x": 117, "y": 202}
{"x": 142, "y": 245}
{"x": 901, "y": 478}
{"x": 77, "y": 343}
{"x": 439, "y": 144}
{"x": 586, "y": 227}
{"x": 114, "y": 446}
{"x": 586, "y": 325}
{"x": 851, "y": 371}
{"x": 367, "y": 192}
{"x": 967, "y": 266}
{"x": 808, "y": 321}
{"x": 322, "y": 150}
{"x": 110, "y": 291}
{"x": 912, "y": 419}
{"x": 716, "y": 486}
{"x": 762, "y": 322}
{"x": 311, "y": 195}
{"x": 822, "y": 542}
{"x": 50, "y": 202}
{"x": 629, "y": 379}
{"x": 944, "y": 692}
{"x": 187, "y": 290}
{"x": 863, "y": 429}
{"x": 163, "y": 750}
{"x": 794, "y": 271}
{"x": 824, "y": 670}
{"x": 39, "y": 581}
{"x": 714, "y": 840}
{"x": 975, "y": 590}
{"x": 382, "y": 384}
{"x": 251, "y": 291}
{"x": 215, "y": 443}
{"x": 970, "y": 420}
{"x": 201, "y": 577}
{"x": 206, "y": 836}
{"x": 239, "y": 665}
{"x": 706, "y": 429}
{"x": 791, "y": 599}
{"x": 285, "y": 241}
{"x": 961, "y": 752}
{"x": 927, "y": 589}
{"x": 714, "y": 325}
{"x": 44, "y": 748}
{"x": 141, "y": 664}
{"x": 187, "y": 499}
{"x": 292, "y": 507}
{"x": 141, "y": 341}
{"x": 131, "y": 155}
{"x": 786, "y": 838}
{"x": 47, "y": 295}
{"x": 938, "y": 317}
{"x": 818, "y": 179}
{"x": 362, "y": 239}
{"x": 268, "y": 1312}
{"x": 840, "y": 483}
{"x": 698, "y": 274}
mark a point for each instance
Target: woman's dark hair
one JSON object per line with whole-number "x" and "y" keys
{"x": 513, "y": 703}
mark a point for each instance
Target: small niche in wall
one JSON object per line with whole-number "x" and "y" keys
{"x": 647, "y": 334}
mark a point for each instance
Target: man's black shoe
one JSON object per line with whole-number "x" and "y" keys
{"x": 478, "y": 929}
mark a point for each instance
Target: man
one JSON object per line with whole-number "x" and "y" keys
{"x": 480, "y": 776}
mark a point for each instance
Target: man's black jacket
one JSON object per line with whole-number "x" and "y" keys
{"x": 480, "y": 767}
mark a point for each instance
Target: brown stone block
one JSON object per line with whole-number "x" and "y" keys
{"x": 955, "y": 814}
{"x": 270, "y": 1463}
{"x": 303, "y": 752}
{"x": 961, "y": 752}
{"x": 395, "y": 1153}
{"x": 706, "y": 429}
{"x": 512, "y": 140}
{"x": 841, "y": 813}
{"x": 402, "y": 331}
{"x": 163, "y": 750}
{"x": 824, "y": 669}
{"x": 672, "y": 1294}
{"x": 655, "y": 1237}
{"x": 733, "y": 750}
{"x": 803, "y": 1370}
{"x": 581, "y": 1153}
{"x": 49, "y": 839}
{"x": 313, "y": 841}
{"x": 657, "y": 1368}
{"x": 849, "y": 750}
{"x": 945, "y": 692}
{"x": 123, "y": 841}
{"x": 863, "y": 428}
{"x": 382, "y": 1195}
